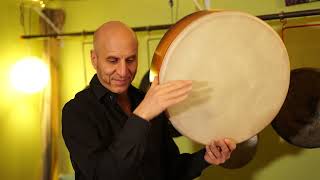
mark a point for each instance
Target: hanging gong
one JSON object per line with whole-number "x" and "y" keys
{"x": 298, "y": 121}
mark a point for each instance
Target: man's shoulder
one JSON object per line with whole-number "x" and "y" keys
{"x": 83, "y": 99}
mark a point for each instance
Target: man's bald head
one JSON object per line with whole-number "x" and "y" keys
{"x": 115, "y": 56}
{"x": 112, "y": 31}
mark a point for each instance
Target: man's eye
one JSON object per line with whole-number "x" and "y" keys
{"x": 112, "y": 60}
{"x": 131, "y": 60}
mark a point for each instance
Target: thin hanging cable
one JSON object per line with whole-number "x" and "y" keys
{"x": 22, "y": 17}
{"x": 84, "y": 62}
{"x": 207, "y": 4}
{"x": 177, "y": 10}
{"x": 29, "y": 21}
{"x": 171, "y": 10}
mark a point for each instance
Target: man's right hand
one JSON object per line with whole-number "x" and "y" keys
{"x": 160, "y": 96}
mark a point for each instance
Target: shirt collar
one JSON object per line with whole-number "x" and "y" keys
{"x": 100, "y": 91}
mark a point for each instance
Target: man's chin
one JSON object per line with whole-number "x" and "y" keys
{"x": 120, "y": 89}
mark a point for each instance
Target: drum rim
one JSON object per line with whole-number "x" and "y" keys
{"x": 190, "y": 25}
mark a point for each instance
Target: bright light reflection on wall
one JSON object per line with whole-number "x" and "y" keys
{"x": 29, "y": 75}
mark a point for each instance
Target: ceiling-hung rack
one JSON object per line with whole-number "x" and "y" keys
{"x": 282, "y": 15}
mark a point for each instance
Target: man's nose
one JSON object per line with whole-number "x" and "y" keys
{"x": 122, "y": 68}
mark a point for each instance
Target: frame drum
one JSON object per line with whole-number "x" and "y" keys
{"x": 240, "y": 71}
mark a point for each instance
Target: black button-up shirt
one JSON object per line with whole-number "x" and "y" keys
{"x": 106, "y": 144}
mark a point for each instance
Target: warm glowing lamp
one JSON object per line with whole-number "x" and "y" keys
{"x": 29, "y": 75}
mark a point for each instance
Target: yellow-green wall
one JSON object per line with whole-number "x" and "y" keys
{"x": 275, "y": 159}
{"x": 20, "y": 140}
{"x": 20, "y": 118}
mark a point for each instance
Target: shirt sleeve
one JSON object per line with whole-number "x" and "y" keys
{"x": 94, "y": 159}
{"x": 183, "y": 166}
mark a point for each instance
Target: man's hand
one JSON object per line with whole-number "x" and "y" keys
{"x": 160, "y": 96}
{"x": 218, "y": 152}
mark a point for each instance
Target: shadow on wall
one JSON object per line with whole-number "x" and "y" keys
{"x": 270, "y": 149}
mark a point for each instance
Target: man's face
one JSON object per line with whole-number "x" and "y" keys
{"x": 115, "y": 61}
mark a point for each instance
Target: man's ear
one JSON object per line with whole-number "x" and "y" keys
{"x": 94, "y": 59}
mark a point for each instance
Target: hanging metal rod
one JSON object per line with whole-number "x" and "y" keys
{"x": 293, "y": 14}
{"x": 282, "y": 15}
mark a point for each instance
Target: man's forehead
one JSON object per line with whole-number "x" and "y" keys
{"x": 114, "y": 35}
{"x": 119, "y": 53}
{"x": 112, "y": 28}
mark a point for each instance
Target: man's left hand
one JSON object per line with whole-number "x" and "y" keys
{"x": 217, "y": 152}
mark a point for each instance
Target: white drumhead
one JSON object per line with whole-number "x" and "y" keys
{"x": 240, "y": 71}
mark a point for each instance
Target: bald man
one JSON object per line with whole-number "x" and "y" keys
{"x": 113, "y": 131}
